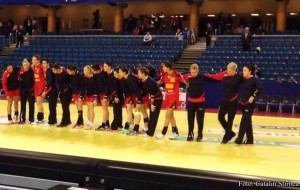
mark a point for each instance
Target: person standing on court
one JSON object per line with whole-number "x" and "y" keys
{"x": 51, "y": 92}
{"x": 231, "y": 82}
{"x": 62, "y": 80}
{"x": 39, "y": 87}
{"x": 150, "y": 87}
{"x": 26, "y": 92}
{"x": 11, "y": 88}
{"x": 77, "y": 93}
{"x": 196, "y": 102}
{"x": 250, "y": 90}
{"x": 172, "y": 80}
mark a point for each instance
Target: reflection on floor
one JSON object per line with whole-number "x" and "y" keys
{"x": 275, "y": 153}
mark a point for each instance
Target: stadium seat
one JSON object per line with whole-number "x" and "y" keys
{"x": 288, "y": 104}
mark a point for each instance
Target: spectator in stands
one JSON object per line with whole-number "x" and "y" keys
{"x": 1, "y": 26}
{"x": 279, "y": 79}
{"x": 131, "y": 21}
{"x": 157, "y": 22}
{"x": 147, "y": 39}
{"x": 229, "y": 22}
{"x": 192, "y": 36}
{"x": 178, "y": 35}
{"x": 28, "y": 25}
{"x": 34, "y": 25}
{"x": 208, "y": 34}
{"x": 185, "y": 33}
{"x": 256, "y": 69}
{"x": 292, "y": 80}
{"x": 20, "y": 36}
{"x": 174, "y": 23}
{"x": 145, "y": 22}
{"x": 136, "y": 30}
{"x": 260, "y": 31}
{"x": 9, "y": 25}
{"x": 246, "y": 39}
{"x": 96, "y": 20}
{"x": 239, "y": 30}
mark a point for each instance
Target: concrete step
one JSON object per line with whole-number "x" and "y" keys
{"x": 179, "y": 64}
{"x": 189, "y": 57}
{"x": 184, "y": 62}
{"x": 191, "y": 53}
{"x": 7, "y": 50}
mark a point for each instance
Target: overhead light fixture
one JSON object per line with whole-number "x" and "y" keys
{"x": 254, "y": 14}
{"x": 269, "y": 14}
{"x": 211, "y": 15}
{"x": 233, "y": 15}
{"x": 293, "y": 14}
{"x": 181, "y": 16}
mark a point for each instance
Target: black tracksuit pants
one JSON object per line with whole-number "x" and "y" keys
{"x": 229, "y": 108}
{"x": 52, "y": 101}
{"x": 246, "y": 124}
{"x": 27, "y": 95}
{"x": 153, "y": 117}
{"x": 65, "y": 98}
{"x": 196, "y": 109}
{"x": 117, "y": 110}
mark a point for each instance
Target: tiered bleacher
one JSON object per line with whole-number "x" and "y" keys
{"x": 279, "y": 55}
{"x": 86, "y": 49}
{"x": 2, "y": 42}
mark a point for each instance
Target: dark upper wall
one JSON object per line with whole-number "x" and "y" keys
{"x": 77, "y": 12}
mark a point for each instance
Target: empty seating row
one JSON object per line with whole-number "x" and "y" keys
{"x": 280, "y": 104}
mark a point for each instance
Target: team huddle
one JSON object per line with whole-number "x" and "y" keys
{"x": 136, "y": 92}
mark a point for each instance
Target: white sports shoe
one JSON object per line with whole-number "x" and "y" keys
{"x": 37, "y": 122}
{"x": 159, "y": 136}
{"x": 174, "y": 136}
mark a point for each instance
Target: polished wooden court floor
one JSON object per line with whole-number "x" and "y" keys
{"x": 276, "y": 152}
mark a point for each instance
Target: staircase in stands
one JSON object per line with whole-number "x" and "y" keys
{"x": 189, "y": 55}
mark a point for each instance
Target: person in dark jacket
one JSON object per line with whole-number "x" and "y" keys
{"x": 250, "y": 90}
{"x": 77, "y": 93}
{"x": 117, "y": 100}
{"x": 26, "y": 91}
{"x": 62, "y": 80}
{"x": 90, "y": 95}
{"x": 51, "y": 92}
{"x": 150, "y": 87}
{"x": 246, "y": 39}
{"x": 231, "y": 82}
